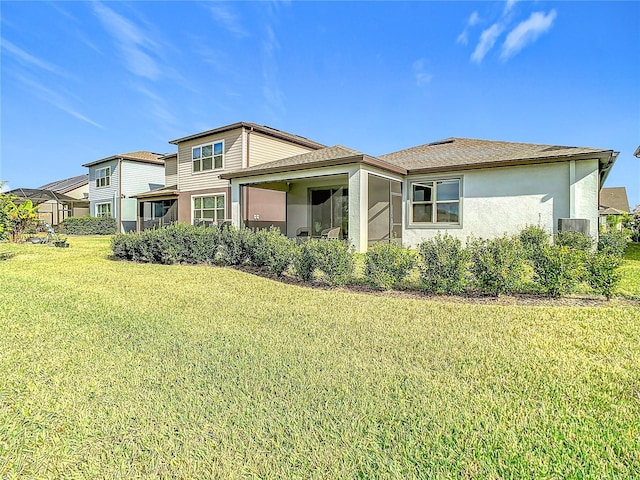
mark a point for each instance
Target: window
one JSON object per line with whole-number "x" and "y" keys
{"x": 103, "y": 210}
{"x": 207, "y": 157}
{"x": 436, "y": 201}
{"x": 103, "y": 177}
{"x": 208, "y": 210}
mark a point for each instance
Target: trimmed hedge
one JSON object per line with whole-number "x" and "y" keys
{"x": 89, "y": 225}
{"x": 614, "y": 243}
{"x": 334, "y": 259}
{"x": 387, "y": 264}
{"x": 443, "y": 265}
{"x": 497, "y": 264}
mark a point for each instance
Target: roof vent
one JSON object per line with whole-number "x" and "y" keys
{"x": 441, "y": 142}
{"x": 555, "y": 147}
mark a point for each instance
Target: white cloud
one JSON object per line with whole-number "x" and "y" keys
{"x": 136, "y": 46}
{"x": 27, "y": 59}
{"x": 527, "y": 32}
{"x": 228, "y": 19}
{"x": 56, "y": 99}
{"x": 474, "y": 19}
{"x": 420, "y": 74}
{"x": 487, "y": 41}
{"x": 508, "y": 6}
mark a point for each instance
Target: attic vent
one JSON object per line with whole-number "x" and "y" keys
{"x": 556, "y": 147}
{"x": 442, "y": 142}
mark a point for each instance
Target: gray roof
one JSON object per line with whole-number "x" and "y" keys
{"x": 459, "y": 153}
{"x": 66, "y": 185}
{"x": 614, "y": 198}
{"x": 171, "y": 190}
{"x": 325, "y": 157}
{"x": 39, "y": 195}
{"x": 140, "y": 156}
{"x": 273, "y": 132}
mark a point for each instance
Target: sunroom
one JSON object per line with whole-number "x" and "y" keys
{"x": 330, "y": 193}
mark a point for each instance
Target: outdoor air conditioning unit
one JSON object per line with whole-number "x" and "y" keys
{"x": 581, "y": 225}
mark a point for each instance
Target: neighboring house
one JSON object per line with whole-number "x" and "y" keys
{"x": 113, "y": 182}
{"x": 613, "y": 204}
{"x": 460, "y": 186}
{"x": 196, "y": 194}
{"x": 58, "y": 200}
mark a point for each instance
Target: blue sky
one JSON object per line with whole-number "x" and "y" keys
{"x": 85, "y": 80}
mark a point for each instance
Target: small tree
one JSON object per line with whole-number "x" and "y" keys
{"x": 633, "y": 224}
{"x": 16, "y": 216}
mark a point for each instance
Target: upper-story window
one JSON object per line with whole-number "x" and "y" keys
{"x": 208, "y": 157}
{"x": 103, "y": 177}
{"x": 436, "y": 201}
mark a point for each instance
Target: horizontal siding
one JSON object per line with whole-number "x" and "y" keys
{"x": 138, "y": 177}
{"x": 171, "y": 172}
{"x": 189, "y": 181}
{"x": 263, "y": 149}
{"x": 103, "y": 193}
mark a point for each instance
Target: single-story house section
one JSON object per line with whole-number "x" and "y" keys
{"x": 464, "y": 187}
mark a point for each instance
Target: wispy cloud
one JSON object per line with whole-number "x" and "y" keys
{"x": 527, "y": 32}
{"x": 508, "y": 6}
{"x": 487, "y": 41}
{"x": 29, "y": 60}
{"x": 229, "y": 19}
{"x": 56, "y": 99}
{"x": 136, "y": 46}
{"x": 473, "y": 20}
{"x": 271, "y": 90}
{"x": 422, "y": 77}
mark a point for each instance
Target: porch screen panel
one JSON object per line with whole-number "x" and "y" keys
{"x": 379, "y": 208}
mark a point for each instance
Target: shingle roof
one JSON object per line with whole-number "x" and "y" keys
{"x": 139, "y": 156}
{"x": 614, "y": 198}
{"x": 66, "y": 185}
{"x": 455, "y": 152}
{"x": 325, "y": 157}
{"x": 273, "y": 132}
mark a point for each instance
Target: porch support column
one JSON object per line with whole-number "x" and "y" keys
{"x": 235, "y": 203}
{"x": 358, "y": 185}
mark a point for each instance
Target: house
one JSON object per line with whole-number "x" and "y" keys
{"x": 614, "y": 205}
{"x": 196, "y": 194}
{"x": 256, "y": 176}
{"x": 113, "y": 182}
{"x": 58, "y": 200}
{"x": 460, "y": 186}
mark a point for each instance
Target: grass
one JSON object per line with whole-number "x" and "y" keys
{"x": 121, "y": 370}
{"x": 630, "y": 270}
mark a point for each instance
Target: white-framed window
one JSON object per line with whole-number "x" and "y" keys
{"x": 208, "y": 157}
{"x": 209, "y": 209}
{"x": 103, "y": 209}
{"x": 435, "y": 202}
{"x": 103, "y": 177}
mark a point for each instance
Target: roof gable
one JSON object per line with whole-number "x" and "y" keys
{"x": 139, "y": 156}
{"x": 614, "y": 198}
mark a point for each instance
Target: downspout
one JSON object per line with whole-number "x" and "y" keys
{"x": 120, "y": 195}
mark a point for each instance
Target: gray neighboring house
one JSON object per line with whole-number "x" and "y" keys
{"x": 113, "y": 182}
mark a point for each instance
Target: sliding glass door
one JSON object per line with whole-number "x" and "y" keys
{"x": 329, "y": 209}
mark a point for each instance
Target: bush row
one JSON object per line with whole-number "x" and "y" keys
{"x": 524, "y": 263}
{"x": 89, "y": 225}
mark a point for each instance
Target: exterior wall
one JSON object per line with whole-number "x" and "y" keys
{"x": 185, "y": 204}
{"x": 263, "y": 148}
{"x": 104, "y": 194}
{"x": 171, "y": 172}
{"x": 81, "y": 192}
{"x": 263, "y": 208}
{"x": 139, "y": 177}
{"x": 188, "y": 181}
{"x": 503, "y": 200}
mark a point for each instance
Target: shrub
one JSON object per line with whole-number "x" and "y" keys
{"x": 574, "y": 240}
{"x": 443, "y": 265}
{"x": 334, "y": 258}
{"x": 603, "y": 276}
{"x": 235, "y": 246}
{"x": 386, "y": 264}
{"x": 497, "y": 264}
{"x": 533, "y": 238}
{"x": 614, "y": 243}
{"x": 89, "y": 225}
{"x": 272, "y": 250}
{"x": 124, "y": 245}
{"x": 557, "y": 269}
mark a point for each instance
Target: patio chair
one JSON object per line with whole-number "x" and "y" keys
{"x": 331, "y": 233}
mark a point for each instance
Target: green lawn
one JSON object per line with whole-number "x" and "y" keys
{"x": 119, "y": 370}
{"x": 630, "y": 283}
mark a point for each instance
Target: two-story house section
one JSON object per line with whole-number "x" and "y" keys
{"x": 159, "y": 207}
{"x": 203, "y": 197}
{"x": 113, "y": 182}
